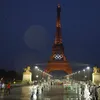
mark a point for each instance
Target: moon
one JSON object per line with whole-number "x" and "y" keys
{"x": 36, "y": 37}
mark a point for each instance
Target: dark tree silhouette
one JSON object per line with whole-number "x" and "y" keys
{"x": 10, "y": 75}
{"x": 2, "y": 73}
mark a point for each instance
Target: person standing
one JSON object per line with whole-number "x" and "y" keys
{"x": 94, "y": 93}
{"x": 3, "y": 87}
{"x": 32, "y": 91}
{"x": 42, "y": 89}
{"x": 8, "y": 88}
{"x": 98, "y": 90}
{"x": 97, "y": 97}
{"x": 82, "y": 89}
{"x": 86, "y": 93}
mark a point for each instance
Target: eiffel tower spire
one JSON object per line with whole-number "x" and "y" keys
{"x": 58, "y": 37}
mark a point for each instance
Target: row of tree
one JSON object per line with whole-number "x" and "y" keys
{"x": 10, "y": 75}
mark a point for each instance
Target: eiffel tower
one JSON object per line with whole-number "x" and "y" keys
{"x": 58, "y": 60}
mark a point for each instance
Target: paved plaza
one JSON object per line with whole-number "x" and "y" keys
{"x": 56, "y": 92}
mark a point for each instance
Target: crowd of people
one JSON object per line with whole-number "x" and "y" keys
{"x": 5, "y": 88}
{"x": 87, "y": 91}
{"x": 90, "y": 91}
{"x": 38, "y": 89}
{"x": 84, "y": 90}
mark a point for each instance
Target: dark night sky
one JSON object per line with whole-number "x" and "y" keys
{"x": 27, "y": 29}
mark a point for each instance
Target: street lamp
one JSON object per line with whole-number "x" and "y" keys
{"x": 84, "y": 73}
{"x": 78, "y": 76}
{"x": 37, "y": 76}
{"x": 78, "y": 71}
{"x": 85, "y": 78}
{"x": 88, "y": 72}
{"x": 36, "y": 67}
{"x": 84, "y": 70}
{"x": 35, "y": 71}
{"x": 88, "y": 68}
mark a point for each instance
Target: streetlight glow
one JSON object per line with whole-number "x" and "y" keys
{"x": 78, "y": 71}
{"x": 88, "y": 67}
{"x": 36, "y": 67}
{"x": 84, "y": 70}
{"x": 37, "y": 76}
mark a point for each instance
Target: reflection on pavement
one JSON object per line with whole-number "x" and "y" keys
{"x": 54, "y": 93}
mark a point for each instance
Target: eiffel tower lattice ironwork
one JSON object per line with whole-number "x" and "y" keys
{"x": 58, "y": 60}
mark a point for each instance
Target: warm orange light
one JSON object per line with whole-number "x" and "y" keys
{"x": 58, "y": 5}
{"x": 59, "y": 63}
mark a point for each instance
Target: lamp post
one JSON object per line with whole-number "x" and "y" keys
{"x": 85, "y": 77}
{"x": 36, "y": 67}
{"x": 37, "y": 77}
{"x": 84, "y": 73}
{"x": 74, "y": 76}
{"x": 88, "y": 72}
{"x": 78, "y": 75}
{"x": 41, "y": 74}
{"x": 35, "y": 72}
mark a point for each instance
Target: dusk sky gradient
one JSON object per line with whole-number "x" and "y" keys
{"x": 27, "y": 30}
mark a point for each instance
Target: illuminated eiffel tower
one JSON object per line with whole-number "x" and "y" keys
{"x": 58, "y": 60}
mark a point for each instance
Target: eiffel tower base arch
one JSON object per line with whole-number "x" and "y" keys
{"x": 58, "y": 66}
